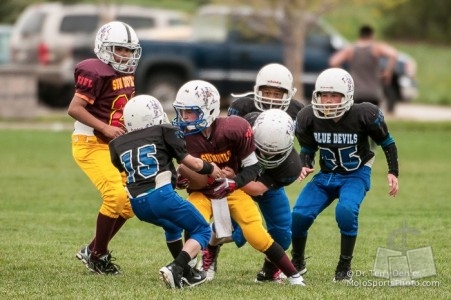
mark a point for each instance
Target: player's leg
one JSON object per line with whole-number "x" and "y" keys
{"x": 353, "y": 190}
{"x": 275, "y": 209}
{"x": 245, "y": 212}
{"x": 167, "y": 209}
{"x": 210, "y": 253}
{"x": 312, "y": 200}
{"x": 93, "y": 157}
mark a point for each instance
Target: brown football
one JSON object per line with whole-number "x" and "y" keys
{"x": 196, "y": 181}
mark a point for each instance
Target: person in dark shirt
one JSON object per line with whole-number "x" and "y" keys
{"x": 102, "y": 87}
{"x": 363, "y": 58}
{"x": 145, "y": 153}
{"x": 339, "y": 130}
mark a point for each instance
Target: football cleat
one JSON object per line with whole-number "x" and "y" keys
{"x": 209, "y": 262}
{"x": 103, "y": 265}
{"x": 296, "y": 279}
{"x": 193, "y": 277}
{"x": 83, "y": 254}
{"x": 343, "y": 271}
{"x": 263, "y": 276}
{"x": 172, "y": 276}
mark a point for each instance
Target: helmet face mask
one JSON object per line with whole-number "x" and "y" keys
{"x": 333, "y": 81}
{"x": 275, "y": 76}
{"x": 199, "y": 98}
{"x": 273, "y": 134}
{"x": 143, "y": 111}
{"x": 110, "y": 41}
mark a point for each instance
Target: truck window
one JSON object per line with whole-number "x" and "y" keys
{"x": 138, "y": 22}
{"x": 79, "y": 24}
{"x": 33, "y": 24}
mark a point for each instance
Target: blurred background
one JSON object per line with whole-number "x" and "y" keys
{"x": 41, "y": 41}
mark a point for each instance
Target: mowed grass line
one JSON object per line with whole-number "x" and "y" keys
{"x": 48, "y": 210}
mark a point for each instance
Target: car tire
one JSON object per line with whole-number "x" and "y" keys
{"x": 55, "y": 96}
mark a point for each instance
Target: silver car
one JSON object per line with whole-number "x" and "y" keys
{"x": 45, "y": 35}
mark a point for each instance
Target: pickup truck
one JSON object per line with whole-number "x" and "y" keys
{"x": 229, "y": 46}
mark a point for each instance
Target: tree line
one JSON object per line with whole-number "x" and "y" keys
{"x": 417, "y": 20}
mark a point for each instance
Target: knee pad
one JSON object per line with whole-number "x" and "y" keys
{"x": 347, "y": 220}
{"x": 301, "y": 223}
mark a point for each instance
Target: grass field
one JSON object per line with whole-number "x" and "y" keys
{"x": 48, "y": 210}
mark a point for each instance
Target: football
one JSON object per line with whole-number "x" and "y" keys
{"x": 196, "y": 181}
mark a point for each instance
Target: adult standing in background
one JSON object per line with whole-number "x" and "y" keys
{"x": 363, "y": 59}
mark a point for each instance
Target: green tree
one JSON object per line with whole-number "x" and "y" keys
{"x": 419, "y": 20}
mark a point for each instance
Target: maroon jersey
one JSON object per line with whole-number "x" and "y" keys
{"x": 231, "y": 141}
{"x": 105, "y": 89}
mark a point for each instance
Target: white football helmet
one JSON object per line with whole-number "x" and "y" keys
{"x": 273, "y": 136}
{"x": 278, "y": 76}
{"x": 118, "y": 34}
{"x": 143, "y": 111}
{"x": 201, "y": 97}
{"x": 333, "y": 80}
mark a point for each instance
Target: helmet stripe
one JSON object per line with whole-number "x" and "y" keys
{"x": 129, "y": 36}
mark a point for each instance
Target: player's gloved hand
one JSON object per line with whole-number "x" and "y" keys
{"x": 220, "y": 188}
{"x": 182, "y": 182}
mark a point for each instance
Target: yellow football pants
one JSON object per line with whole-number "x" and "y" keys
{"x": 93, "y": 156}
{"x": 244, "y": 211}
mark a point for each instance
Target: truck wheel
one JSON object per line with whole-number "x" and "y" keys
{"x": 55, "y": 96}
{"x": 164, "y": 87}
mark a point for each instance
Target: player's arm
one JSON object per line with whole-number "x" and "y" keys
{"x": 378, "y": 131}
{"x": 200, "y": 166}
{"x": 249, "y": 172}
{"x": 77, "y": 110}
{"x": 222, "y": 187}
{"x": 255, "y": 188}
{"x": 391, "y": 155}
{"x": 306, "y": 139}
{"x": 307, "y": 157}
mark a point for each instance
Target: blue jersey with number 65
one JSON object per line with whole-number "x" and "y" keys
{"x": 343, "y": 146}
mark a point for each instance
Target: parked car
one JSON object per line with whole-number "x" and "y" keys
{"x": 45, "y": 35}
{"x": 5, "y": 36}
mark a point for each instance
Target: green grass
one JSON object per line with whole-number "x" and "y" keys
{"x": 48, "y": 210}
